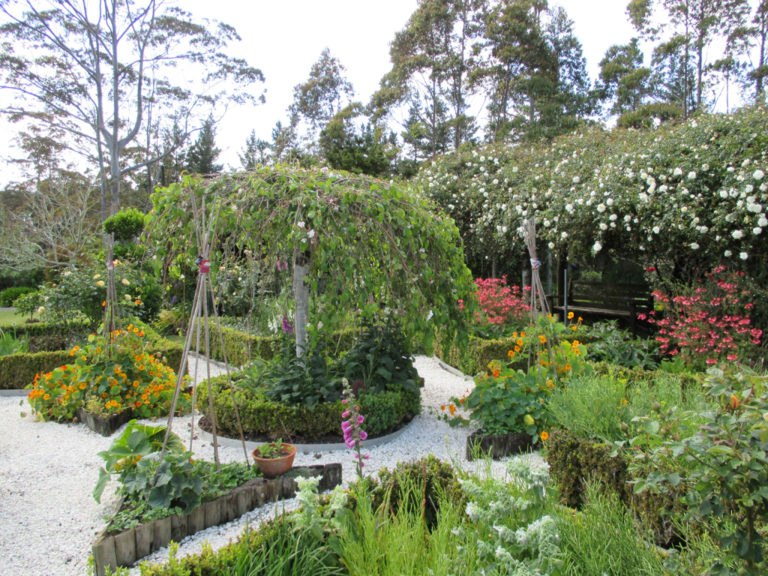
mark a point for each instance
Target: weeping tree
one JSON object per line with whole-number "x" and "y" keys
{"x": 352, "y": 245}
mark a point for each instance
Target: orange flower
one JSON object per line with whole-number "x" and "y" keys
{"x": 442, "y": 407}
{"x": 511, "y": 353}
{"x": 544, "y": 435}
{"x": 495, "y": 373}
{"x": 452, "y": 409}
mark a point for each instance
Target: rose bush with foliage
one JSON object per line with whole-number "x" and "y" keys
{"x": 680, "y": 197}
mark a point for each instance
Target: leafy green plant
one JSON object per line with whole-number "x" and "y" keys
{"x": 380, "y": 359}
{"x": 136, "y": 441}
{"x": 728, "y": 458}
{"x": 10, "y": 344}
{"x": 152, "y": 487}
{"x": 510, "y": 401}
{"x": 509, "y": 521}
{"x": 272, "y": 450}
{"x": 609, "y": 343}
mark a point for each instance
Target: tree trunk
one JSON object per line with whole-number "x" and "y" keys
{"x": 301, "y": 295}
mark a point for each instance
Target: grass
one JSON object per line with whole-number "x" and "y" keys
{"x": 11, "y": 317}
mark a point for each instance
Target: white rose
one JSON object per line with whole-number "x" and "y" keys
{"x": 758, "y": 175}
{"x": 737, "y": 234}
{"x": 596, "y": 247}
{"x": 694, "y": 245}
{"x": 743, "y": 255}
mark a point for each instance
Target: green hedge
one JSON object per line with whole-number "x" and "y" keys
{"x": 9, "y": 295}
{"x": 18, "y": 371}
{"x": 384, "y": 412}
{"x": 241, "y": 347}
{"x": 573, "y": 460}
{"x": 478, "y": 353}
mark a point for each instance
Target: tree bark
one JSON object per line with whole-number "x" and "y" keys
{"x": 301, "y": 295}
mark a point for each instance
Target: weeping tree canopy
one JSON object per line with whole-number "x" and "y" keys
{"x": 350, "y": 244}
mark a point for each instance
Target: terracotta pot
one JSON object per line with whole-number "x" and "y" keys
{"x": 272, "y": 467}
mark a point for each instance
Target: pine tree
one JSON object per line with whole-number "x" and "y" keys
{"x": 202, "y": 155}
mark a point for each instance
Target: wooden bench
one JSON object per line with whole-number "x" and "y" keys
{"x": 607, "y": 300}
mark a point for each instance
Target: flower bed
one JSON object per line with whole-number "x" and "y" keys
{"x": 124, "y": 548}
{"x": 107, "y": 377}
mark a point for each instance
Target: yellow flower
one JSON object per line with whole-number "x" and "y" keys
{"x": 544, "y": 435}
{"x": 570, "y": 315}
{"x": 100, "y": 283}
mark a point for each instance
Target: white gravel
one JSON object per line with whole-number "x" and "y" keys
{"x": 48, "y": 518}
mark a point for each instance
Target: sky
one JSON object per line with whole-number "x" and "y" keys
{"x": 285, "y": 37}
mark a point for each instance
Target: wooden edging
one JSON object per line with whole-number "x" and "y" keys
{"x": 127, "y": 547}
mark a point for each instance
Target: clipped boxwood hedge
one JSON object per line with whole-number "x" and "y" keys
{"x": 478, "y": 353}
{"x": 573, "y": 460}
{"x": 263, "y": 418}
{"x": 241, "y": 347}
{"x": 18, "y": 371}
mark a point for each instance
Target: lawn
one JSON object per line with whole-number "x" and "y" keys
{"x": 9, "y": 317}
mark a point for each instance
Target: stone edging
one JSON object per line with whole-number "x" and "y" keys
{"x": 127, "y": 547}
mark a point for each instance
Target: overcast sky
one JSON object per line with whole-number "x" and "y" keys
{"x": 284, "y": 38}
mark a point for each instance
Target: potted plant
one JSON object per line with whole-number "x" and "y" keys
{"x": 274, "y": 458}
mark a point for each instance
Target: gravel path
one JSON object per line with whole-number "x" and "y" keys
{"x": 48, "y": 518}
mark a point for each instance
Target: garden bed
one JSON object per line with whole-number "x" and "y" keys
{"x": 126, "y": 547}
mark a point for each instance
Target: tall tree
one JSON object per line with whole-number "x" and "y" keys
{"x": 432, "y": 59}
{"x": 688, "y": 28}
{"x": 83, "y": 68}
{"x": 759, "y": 33}
{"x": 517, "y": 62}
{"x": 624, "y": 81}
{"x": 364, "y": 150}
{"x": 323, "y": 95}
{"x": 202, "y": 155}
{"x": 255, "y": 153}
{"x": 570, "y": 99}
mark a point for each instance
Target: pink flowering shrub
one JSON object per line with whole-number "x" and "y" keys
{"x": 707, "y": 324}
{"x": 502, "y": 307}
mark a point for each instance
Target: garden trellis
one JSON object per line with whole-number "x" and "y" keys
{"x": 204, "y": 226}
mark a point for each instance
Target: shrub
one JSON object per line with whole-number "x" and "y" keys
{"x": 727, "y": 464}
{"x": 380, "y": 359}
{"x": 263, "y": 418}
{"x": 126, "y": 225}
{"x": 107, "y": 378}
{"x": 9, "y": 295}
{"x": 706, "y": 324}
{"x": 503, "y": 308}
{"x": 574, "y": 462}
{"x": 419, "y": 485}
